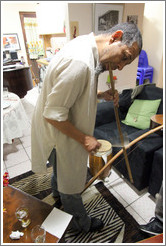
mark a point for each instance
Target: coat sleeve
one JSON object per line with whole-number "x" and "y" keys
{"x": 69, "y": 81}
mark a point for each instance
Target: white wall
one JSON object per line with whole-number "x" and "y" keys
{"x": 153, "y": 34}
{"x": 11, "y": 20}
{"x": 81, "y": 12}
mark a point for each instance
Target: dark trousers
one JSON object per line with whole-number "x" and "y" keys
{"x": 72, "y": 203}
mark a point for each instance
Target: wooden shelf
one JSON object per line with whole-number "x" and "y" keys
{"x": 47, "y": 38}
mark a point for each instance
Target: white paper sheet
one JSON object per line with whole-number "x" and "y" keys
{"x": 57, "y": 222}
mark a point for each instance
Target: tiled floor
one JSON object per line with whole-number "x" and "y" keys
{"x": 17, "y": 160}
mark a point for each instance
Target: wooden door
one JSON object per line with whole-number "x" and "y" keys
{"x": 32, "y": 62}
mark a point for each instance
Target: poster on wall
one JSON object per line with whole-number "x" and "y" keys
{"x": 106, "y": 16}
{"x": 11, "y": 42}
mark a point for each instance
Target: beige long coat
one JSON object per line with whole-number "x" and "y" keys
{"x": 69, "y": 92}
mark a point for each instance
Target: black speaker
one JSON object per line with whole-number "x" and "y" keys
{"x": 13, "y": 55}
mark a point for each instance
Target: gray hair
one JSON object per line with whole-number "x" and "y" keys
{"x": 131, "y": 33}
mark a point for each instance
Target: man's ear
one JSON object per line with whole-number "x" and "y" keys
{"x": 116, "y": 36}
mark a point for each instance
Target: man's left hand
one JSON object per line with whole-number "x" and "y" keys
{"x": 108, "y": 96}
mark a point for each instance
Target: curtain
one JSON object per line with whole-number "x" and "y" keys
{"x": 34, "y": 43}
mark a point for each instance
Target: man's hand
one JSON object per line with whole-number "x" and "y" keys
{"x": 108, "y": 96}
{"x": 91, "y": 144}
{"x": 88, "y": 142}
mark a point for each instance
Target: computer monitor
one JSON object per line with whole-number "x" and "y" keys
{"x": 13, "y": 55}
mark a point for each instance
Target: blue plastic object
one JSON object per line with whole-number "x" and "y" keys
{"x": 144, "y": 71}
{"x": 141, "y": 76}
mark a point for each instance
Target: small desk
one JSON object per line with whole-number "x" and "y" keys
{"x": 13, "y": 198}
{"x": 15, "y": 119}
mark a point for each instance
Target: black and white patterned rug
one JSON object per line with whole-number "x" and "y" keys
{"x": 113, "y": 224}
{"x": 119, "y": 225}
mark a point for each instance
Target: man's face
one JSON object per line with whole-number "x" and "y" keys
{"x": 118, "y": 55}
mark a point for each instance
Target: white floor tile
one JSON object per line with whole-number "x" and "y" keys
{"x": 19, "y": 169}
{"x": 13, "y": 159}
{"x": 118, "y": 197}
{"x": 145, "y": 207}
{"x": 113, "y": 176}
{"x": 135, "y": 215}
{"x": 4, "y": 167}
{"x": 12, "y": 148}
{"x": 125, "y": 191}
{"x": 26, "y": 141}
{"x": 28, "y": 151}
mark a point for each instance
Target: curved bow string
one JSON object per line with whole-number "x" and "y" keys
{"x": 110, "y": 162}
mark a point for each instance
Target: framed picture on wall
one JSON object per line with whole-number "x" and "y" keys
{"x": 106, "y": 16}
{"x": 10, "y": 42}
{"x": 132, "y": 19}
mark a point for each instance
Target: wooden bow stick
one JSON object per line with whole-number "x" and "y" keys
{"x": 120, "y": 152}
{"x": 119, "y": 127}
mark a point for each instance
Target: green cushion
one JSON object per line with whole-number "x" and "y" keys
{"x": 140, "y": 112}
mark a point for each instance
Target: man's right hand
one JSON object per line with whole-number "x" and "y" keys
{"x": 88, "y": 142}
{"x": 91, "y": 144}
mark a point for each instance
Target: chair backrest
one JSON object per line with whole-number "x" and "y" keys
{"x": 143, "y": 59}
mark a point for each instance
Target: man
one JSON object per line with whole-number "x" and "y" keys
{"x": 155, "y": 225}
{"x": 65, "y": 113}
